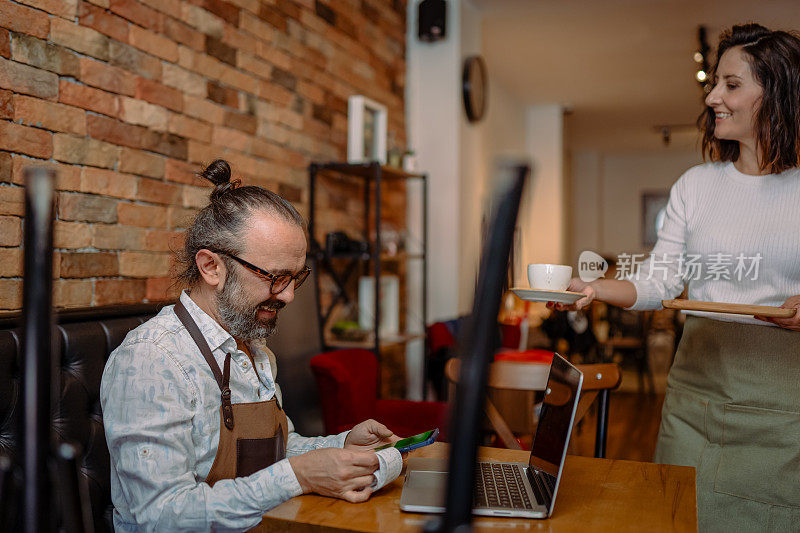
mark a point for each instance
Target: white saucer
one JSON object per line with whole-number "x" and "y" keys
{"x": 544, "y": 295}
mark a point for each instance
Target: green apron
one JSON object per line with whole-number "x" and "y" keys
{"x": 732, "y": 411}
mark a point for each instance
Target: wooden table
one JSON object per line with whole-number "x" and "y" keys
{"x": 595, "y": 495}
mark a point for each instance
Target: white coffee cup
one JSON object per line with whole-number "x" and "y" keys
{"x": 549, "y": 277}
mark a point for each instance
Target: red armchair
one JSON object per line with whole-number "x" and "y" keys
{"x": 347, "y": 381}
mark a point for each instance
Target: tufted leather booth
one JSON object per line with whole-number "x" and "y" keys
{"x": 83, "y": 340}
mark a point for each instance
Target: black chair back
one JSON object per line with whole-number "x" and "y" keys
{"x": 83, "y": 339}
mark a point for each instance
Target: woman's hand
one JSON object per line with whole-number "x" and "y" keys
{"x": 576, "y": 285}
{"x": 793, "y": 323}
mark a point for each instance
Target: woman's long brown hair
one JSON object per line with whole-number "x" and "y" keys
{"x": 774, "y": 58}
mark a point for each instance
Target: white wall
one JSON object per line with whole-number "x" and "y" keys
{"x": 504, "y": 137}
{"x": 606, "y": 196}
{"x": 542, "y": 219}
{"x": 460, "y": 157}
{"x": 452, "y": 151}
{"x": 585, "y": 208}
{"x": 449, "y": 150}
{"x": 505, "y": 124}
{"x": 433, "y": 123}
{"x": 472, "y": 164}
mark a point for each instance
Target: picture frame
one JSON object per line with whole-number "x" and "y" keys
{"x": 654, "y": 204}
{"x": 366, "y": 130}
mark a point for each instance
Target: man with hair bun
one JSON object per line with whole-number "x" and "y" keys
{"x": 193, "y": 419}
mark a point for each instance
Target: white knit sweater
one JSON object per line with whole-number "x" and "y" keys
{"x": 729, "y": 220}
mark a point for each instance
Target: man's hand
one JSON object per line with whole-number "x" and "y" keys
{"x": 345, "y": 474}
{"x": 368, "y": 435}
{"x": 793, "y": 323}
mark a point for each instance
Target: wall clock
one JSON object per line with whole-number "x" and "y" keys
{"x": 474, "y": 87}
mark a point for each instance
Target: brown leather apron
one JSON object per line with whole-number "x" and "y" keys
{"x": 252, "y": 436}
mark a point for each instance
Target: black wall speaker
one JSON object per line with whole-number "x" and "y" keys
{"x": 431, "y": 19}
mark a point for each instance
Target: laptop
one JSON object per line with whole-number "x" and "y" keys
{"x": 510, "y": 489}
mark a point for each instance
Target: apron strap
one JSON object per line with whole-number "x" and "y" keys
{"x": 227, "y": 410}
{"x": 222, "y": 380}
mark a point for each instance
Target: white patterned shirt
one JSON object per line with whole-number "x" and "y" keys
{"x": 161, "y": 416}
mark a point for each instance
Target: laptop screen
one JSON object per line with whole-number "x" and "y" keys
{"x": 555, "y": 419}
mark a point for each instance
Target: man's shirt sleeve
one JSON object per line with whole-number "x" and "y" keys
{"x": 148, "y": 405}
{"x": 297, "y": 444}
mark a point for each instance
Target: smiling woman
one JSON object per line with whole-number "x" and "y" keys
{"x": 734, "y": 378}
{"x": 754, "y": 104}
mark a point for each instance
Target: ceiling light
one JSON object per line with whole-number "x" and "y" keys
{"x": 700, "y": 57}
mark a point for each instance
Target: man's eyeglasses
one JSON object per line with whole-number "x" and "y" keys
{"x": 278, "y": 282}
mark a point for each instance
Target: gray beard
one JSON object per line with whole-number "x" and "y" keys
{"x": 240, "y": 317}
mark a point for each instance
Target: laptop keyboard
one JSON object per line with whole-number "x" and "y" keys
{"x": 545, "y": 485}
{"x": 500, "y": 485}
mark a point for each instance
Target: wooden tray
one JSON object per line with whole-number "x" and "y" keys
{"x": 738, "y": 309}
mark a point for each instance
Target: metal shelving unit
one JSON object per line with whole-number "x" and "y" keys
{"x": 373, "y": 175}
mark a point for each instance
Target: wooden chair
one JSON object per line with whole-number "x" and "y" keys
{"x": 512, "y": 384}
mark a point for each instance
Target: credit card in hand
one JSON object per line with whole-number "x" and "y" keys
{"x": 412, "y": 443}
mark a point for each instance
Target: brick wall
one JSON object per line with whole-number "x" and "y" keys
{"x": 126, "y": 99}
